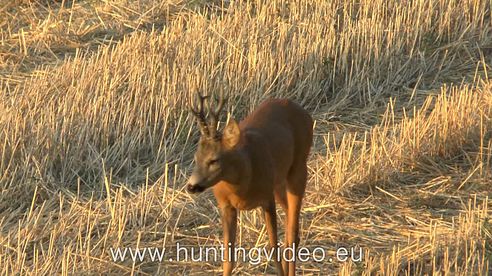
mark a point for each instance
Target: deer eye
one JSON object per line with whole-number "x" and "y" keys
{"x": 213, "y": 162}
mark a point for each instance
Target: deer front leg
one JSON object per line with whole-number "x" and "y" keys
{"x": 271, "y": 225}
{"x": 229, "y": 224}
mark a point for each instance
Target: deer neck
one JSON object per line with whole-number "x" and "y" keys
{"x": 239, "y": 181}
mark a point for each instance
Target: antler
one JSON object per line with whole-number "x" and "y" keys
{"x": 207, "y": 128}
{"x": 214, "y": 115}
{"x": 199, "y": 113}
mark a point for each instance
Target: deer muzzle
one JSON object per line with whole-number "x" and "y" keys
{"x": 194, "y": 184}
{"x": 193, "y": 189}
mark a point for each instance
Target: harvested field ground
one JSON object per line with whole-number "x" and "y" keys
{"x": 96, "y": 140}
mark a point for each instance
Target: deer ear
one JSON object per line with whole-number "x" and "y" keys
{"x": 231, "y": 134}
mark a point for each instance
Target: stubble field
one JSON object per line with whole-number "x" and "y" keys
{"x": 96, "y": 139}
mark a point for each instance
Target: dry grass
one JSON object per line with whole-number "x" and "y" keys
{"x": 96, "y": 140}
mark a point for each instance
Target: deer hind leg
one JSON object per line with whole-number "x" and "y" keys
{"x": 281, "y": 196}
{"x": 295, "y": 192}
{"x": 271, "y": 225}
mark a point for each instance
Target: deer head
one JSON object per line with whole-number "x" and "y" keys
{"x": 214, "y": 158}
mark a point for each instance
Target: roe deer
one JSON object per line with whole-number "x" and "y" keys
{"x": 260, "y": 161}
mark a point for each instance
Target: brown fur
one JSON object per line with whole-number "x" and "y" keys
{"x": 255, "y": 164}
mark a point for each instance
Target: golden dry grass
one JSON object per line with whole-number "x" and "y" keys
{"x": 96, "y": 140}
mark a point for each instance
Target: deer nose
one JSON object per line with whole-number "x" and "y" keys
{"x": 193, "y": 184}
{"x": 194, "y": 188}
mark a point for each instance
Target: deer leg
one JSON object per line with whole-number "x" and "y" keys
{"x": 271, "y": 225}
{"x": 292, "y": 232}
{"x": 229, "y": 224}
{"x": 295, "y": 192}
